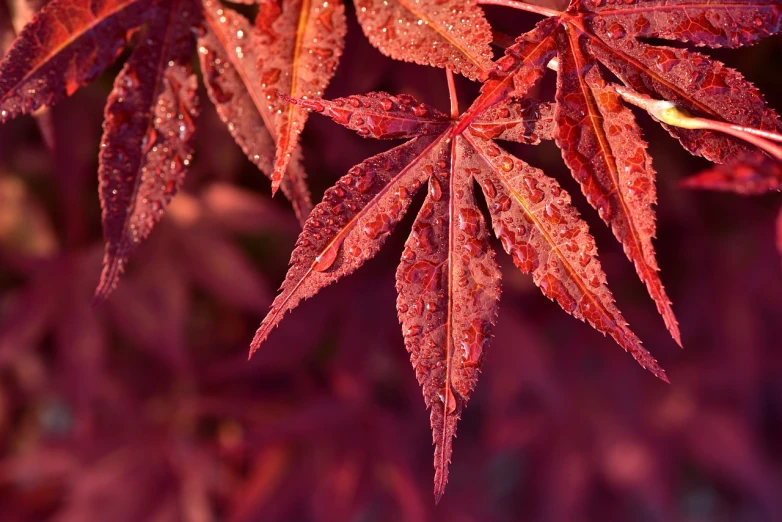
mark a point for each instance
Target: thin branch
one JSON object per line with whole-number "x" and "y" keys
{"x": 452, "y": 95}
{"x": 522, "y": 6}
{"x": 671, "y": 114}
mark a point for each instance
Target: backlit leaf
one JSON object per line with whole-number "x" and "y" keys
{"x": 147, "y": 135}
{"x": 448, "y": 281}
{"x": 229, "y": 50}
{"x": 350, "y": 224}
{"x": 298, "y": 56}
{"x": 601, "y": 144}
{"x": 56, "y": 53}
{"x": 382, "y": 116}
{"x": 713, "y": 23}
{"x": 449, "y": 288}
{"x": 515, "y": 73}
{"x": 440, "y": 33}
{"x": 537, "y": 225}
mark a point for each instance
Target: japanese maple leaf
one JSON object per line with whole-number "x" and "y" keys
{"x": 599, "y": 138}
{"x": 151, "y": 112}
{"x": 448, "y": 281}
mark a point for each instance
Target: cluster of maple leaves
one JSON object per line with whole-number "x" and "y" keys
{"x": 264, "y": 79}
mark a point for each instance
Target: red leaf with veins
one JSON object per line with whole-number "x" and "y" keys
{"x": 449, "y": 288}
{"x": 447, "y": 281}
{"x": 537, "y": 225}
{"x": 522, "y": 121}
{"x": 229, "y": 49}
{"x": 57, "y": 52}
{"x": 381, "y": 115}
{"x": 440, "y": 33}
{"x": 695, "y": 82}
{"x": 515, "y": 73}
{"x": 703, "y": 86}
{"x": 350, "y": 224}
{"x": 752, "y": 174}
{"x": 149, "y": 118}
{"x": 298, "y": 56}
{"x": 602, "y": 145}
{"x": 713, "y": 23}
{"x": 691, "y": 80}
{"x": 146, "y": 145}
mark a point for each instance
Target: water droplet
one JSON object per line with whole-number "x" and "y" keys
{"x": 312, "y": 105}
{"x": 435, "y": 190}
{"x": 365, "y": 182}
{"x": 506, "y": 164}
{"x": 420, "y": 111}
{"x": 616, "y": 31}
{"x": 449, "y": 401}
{"x": 326, "y": 258}
{"x": 413, "y": 330}
{"x": 488, "y": 188}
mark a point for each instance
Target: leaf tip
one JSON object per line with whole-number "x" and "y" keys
{"x": 439, "y": 490}
{"x": 671, "y": 323}
{"x": 257, "y": 341}
{"x": 440, "y": 481}
{"x": 113, "y": 267}
{"x": 262, "y": 333}
{"x": 276, "y": 182}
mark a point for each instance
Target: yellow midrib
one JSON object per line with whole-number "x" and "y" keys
{"x": 595, "y": 118}
{"x": 572, "y": 275}
{"x": 217, "y": 30}
{"x": 436, "y": 28}
{"x": 301, "y": 28}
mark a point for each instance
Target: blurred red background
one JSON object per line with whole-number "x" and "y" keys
{"x": 145, "y": 408}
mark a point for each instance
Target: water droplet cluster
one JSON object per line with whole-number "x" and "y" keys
{"x": 721, "y": 23}
{"x": 382, "y": 116}
{"x": 298, "y": 56}
{"x": 440, "y": 33}
{"x": 33, "y": 74}
{"x": 541, "y": 230}
{"x": 234, "y": 83}
{"x": 147, "y": 142}
{"x": 691, "y": 80}
{"x": 448, "y": 293}
{"x": 523, "y": 121}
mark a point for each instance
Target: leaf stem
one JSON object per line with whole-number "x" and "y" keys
{"x": 522, "y": 6}
{"x": 452, "y": 95}
{"x": 671, "y": 114}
